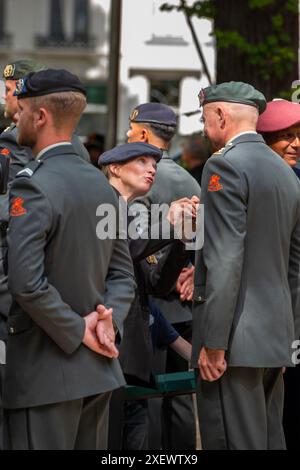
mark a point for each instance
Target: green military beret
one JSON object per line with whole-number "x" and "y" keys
{"x": 20, "y": 68}
{"x": 233, "y": 92}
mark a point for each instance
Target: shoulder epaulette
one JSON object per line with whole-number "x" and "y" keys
{"x": 9, "y": 128}
{"x": 30, "y": 169}
{"x": 219, "y": 152}
{"x": 225, "y": 149}
{"x": 228, "y": 147}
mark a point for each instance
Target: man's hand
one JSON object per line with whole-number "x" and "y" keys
{"x": 212, "y": 364}
{"x": 185, "y": 283}
{"x": 91, "y": 340}
{"x": 105, "y": 331}
{"x": 90, "y": 337}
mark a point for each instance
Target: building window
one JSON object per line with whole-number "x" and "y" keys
{"x": 56, "y": 21}
{"x": 81, "y": 20}
{"x": 57, "y": 37}
{"x": 165, "y": 91}
{"x": 96, "y": 94}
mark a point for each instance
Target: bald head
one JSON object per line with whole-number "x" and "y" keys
{"x": 241, "y": 114}
{"x": 223, "y": 120}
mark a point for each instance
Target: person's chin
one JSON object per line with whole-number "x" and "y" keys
{"x": 145, "y": 188}
{"x": 291, "y": 161}
{"x": 8, "y": 115}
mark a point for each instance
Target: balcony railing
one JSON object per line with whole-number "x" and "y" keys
{"x": 69, "y": 43}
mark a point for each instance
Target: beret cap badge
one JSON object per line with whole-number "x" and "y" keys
{"x": 201, "y": 96}
{"x": 134, "y": 114}
{"x": 9, "y": 71}
{"x": 20, "y": 86}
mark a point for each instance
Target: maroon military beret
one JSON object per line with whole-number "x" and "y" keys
{"x": 279, "y": 115}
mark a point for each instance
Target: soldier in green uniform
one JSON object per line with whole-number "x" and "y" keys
{"x": 247, "y": 282}
{"x": 68, "y": 286}
{"x": 18, "y": 156}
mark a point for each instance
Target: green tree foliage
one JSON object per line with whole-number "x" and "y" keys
{"x": 257, "y": 40}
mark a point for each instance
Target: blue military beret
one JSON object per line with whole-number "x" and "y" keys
{"x": 155, "y": 113}
{"x": 123, "y": 153}
{"x": 47, "y": 82}
{"x": 233, "y": 92}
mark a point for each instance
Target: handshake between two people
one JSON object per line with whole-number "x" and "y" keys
{"x": 183, "y": 216}
{"x": 99, "y": 335}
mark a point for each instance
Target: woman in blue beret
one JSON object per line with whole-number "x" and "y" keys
{"x": 131, "y": 170}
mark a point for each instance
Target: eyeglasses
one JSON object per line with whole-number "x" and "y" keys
{"x": 288, "y": 136}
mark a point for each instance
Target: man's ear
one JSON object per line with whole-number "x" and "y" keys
{"x": 144, "y": 137}
{"x": 221, "y": 117}
{"x": 42, "y": 116}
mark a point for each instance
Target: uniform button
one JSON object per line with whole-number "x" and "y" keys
{"x": 12, "y": 330}
{"x": 199, "y": 299}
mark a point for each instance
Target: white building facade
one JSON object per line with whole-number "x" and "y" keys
{"x": 158, "y": 60}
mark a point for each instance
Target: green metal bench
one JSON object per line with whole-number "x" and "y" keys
{"x": 178, "y": 383}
